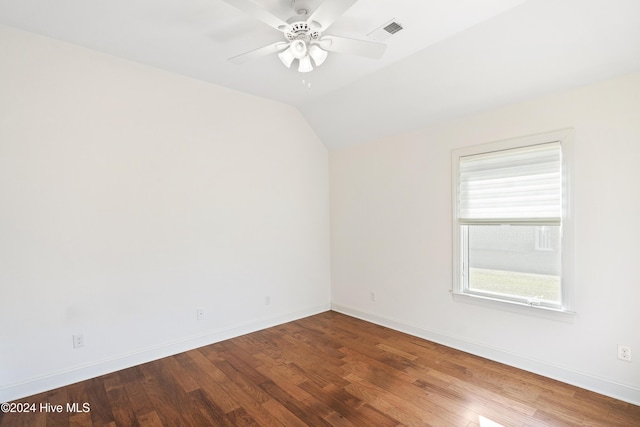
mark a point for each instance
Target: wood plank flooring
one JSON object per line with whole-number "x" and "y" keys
{"x": 326, "y": 370}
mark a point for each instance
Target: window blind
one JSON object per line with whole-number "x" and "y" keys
{"x": 520, "y": 185}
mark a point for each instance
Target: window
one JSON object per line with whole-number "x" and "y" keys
{"x": 512, "y": 223}
{"x": 544, "y": 239}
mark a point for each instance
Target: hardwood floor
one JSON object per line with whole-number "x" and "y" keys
{"x": 325, "y": 370}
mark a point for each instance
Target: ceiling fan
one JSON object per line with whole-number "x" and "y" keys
{"x": 304, "y": 39}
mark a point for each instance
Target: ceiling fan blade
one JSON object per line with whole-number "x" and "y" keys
{"x": 259, "y": 53}
{"x": 252, "y": 9}
{"x": 329, "y": 11}
{"x": 364, "y": 48}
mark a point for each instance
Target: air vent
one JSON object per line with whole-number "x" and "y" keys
{"x": 385, "y": 31}
{"x": 393, "y": 28}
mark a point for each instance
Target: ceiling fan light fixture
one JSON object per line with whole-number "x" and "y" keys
{"x": 318, "y": 54}
{"x": 304, "y": 65}
{"x": 298, "y": 49}
{"x": 286, "y": 56}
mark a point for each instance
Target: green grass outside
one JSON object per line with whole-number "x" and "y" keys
{"x": 513, "y": 283}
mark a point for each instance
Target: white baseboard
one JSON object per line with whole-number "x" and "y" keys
{"x": 54, "y": 380}
{"x": 101, "y": 367}
{"x": 590, "y": 382}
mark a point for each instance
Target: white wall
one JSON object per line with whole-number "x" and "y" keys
{"x": 391, "y": 233}
{"x": 129, "y": 198}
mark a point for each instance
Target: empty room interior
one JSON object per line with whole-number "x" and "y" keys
{"x": 319, "y": 212}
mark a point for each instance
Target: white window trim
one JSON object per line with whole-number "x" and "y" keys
{"x": 567, "y": 311}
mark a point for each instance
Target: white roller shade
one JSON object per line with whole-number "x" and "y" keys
{"x": 521, "y": 185}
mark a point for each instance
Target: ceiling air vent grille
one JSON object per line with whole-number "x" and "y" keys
{"x": 385, "y": 31}
{"x": 393, "y": 28}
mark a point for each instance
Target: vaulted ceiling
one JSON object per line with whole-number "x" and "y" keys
{"x": 451, "y": 58}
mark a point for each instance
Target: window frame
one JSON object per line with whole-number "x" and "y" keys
{"x": 459, "y": 290}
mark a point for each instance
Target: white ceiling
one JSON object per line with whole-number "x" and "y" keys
{"x": 453, "y": 57}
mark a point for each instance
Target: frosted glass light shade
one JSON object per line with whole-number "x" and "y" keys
{"x": 286, "y": 56}
{"x": 298, "y": 49}
{"x": 305, "y": 64}
{"x": 318, "y": 54}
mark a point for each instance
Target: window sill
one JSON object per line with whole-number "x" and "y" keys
{"x": 516, "y": 307}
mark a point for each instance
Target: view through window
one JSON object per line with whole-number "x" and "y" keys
{"x": 510, "y": 261}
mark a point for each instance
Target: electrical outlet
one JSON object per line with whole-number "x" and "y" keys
{"x": 78, "y": 340}
{"x": 372, "y": 295}
{"x": 267, "y": 300}
{"x": 200, "y": 313}
{"x": 624, "y": 353}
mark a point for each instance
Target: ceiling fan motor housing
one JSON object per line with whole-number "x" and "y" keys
{"x": 302, "y": 31}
